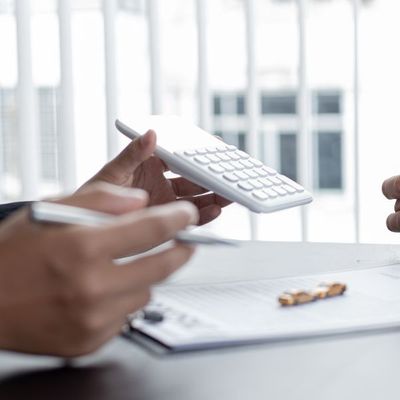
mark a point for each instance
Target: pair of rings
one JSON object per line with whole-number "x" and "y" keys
{"x": 322, "y": 291}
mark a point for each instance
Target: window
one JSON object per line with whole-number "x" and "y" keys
{"x": 48, "y": 132}
{"x": 133, "y": 6}
{"x": 6, "y": 7}
{"x": 8, "y": 129}
{"x": 288, "y": 154}
{"x": 238, "y": 139}
{"x": 327, "y": 103}
{"x": 47, "y": 128}
{"x": 240, "y": 105}
{"x": 279, "y": 109}
{"x": 279, "y": 103}
{"x": 229, "y": 104}
{"x": 329, "y": 169}
{"x": 217, "y": 105}
{"x": 328, "y": 165}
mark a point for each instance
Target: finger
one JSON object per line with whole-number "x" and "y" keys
{"x": 391, "y": 187}
{"x": 121, "y": 168}
{"x": 114, "y": 316}
{"x": 96, "y": 338}
{"x": 397, "y": 205}
{"x": 183, "y": 187}
{"x": 115, "y": 309}
{"x": 393, "y": 222}
{"x": 143, "y": 229}
{"x": 131, "y": 302}
{"x": 108, "y": 198}
{"x": 209, "y": 213}
{"x": 140, "y": 274}
{"x": 208, "y": 200}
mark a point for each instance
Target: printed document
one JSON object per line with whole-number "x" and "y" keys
{"x": 210, "y": 315}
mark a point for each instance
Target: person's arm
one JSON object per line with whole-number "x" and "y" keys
{"x": 137, "y": 167}
{"x": 7, "y": 209}
{"x": 61, "y": 293}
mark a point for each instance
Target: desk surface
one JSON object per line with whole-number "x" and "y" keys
{"x": 347, "y": 367}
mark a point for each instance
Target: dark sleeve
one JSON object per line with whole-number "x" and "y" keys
{"x": 7, "y": 209}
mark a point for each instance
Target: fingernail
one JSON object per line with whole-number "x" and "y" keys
{"x": 191, "y": 210}
{"x": 216, "y": 211}
{"x": 146, "y": 138}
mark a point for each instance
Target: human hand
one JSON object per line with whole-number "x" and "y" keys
{"x": 61, "y": 292}
{"x": 137, "y": 167}
{"x": 391, "y": 189}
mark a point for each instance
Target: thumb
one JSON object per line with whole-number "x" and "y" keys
{"x": 121, "y": 168}
{"x": 107, "y": 198}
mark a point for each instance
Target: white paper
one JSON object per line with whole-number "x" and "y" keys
{"x": 204, "y": 315}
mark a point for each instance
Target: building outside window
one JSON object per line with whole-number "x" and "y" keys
{"x": 229, "y": 104}
{"x": 279, "y": 103}
{"x": 8, "y": 129}
{"x": 327, "y": 103}
{"x": 328, "y": 171}
{"x": 288, "y": 154}
{"x": 280, "y": 110}
{"x": 47, "y": 113}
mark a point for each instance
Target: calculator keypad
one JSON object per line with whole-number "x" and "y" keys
{"x": 237, "y": 168}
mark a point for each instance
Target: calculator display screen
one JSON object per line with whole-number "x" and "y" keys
{"x": 173, "y": 133}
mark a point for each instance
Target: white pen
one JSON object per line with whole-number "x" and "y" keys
{"x": 46, "y": 212}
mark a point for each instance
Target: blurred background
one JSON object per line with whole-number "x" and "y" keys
{"x": 309, "y": 86}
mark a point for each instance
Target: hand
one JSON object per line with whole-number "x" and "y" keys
{"x": 137, "y": 167}
{"x": 391, "y": 189}
{"x": 60, "y": 291}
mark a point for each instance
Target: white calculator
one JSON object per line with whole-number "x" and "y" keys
{"x": 222, "y": 168}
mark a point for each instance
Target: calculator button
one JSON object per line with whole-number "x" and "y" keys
{"x": 237, "y": 164}
{"x": 271, "y": 193}
{"x": 245, "y": 186}
{"x": 230, "y": 177}
{"x": 201, "y": 151}
{"x": 266, "y": 182}
{"x": 260, "y": 194}
{"x": 280, "y": 190}
{"x": 289, "y": 189}
{"x": 246, "y": 163}
{"x": 202, "y": 160}
{"x": 242, "y": 154}
{"x": 256, "y": 184}
{"x": 233, "y": 156}
{"x": 241, "y": 175}
{"x": 213, "y": 157}
{"x": 275, "y": 180}
{"x": 222, "y": 147}
{"x": 227, "y": 166}
{"x": 190, "y": 152}
{"x": 211, "y": 149}
{"x": 255, "y": 162}
{"x": 223, "y": 166}
{"x": 292, "y": 183}
{"x": 223, "y": 157}
{"x": 216, "y": 168}
{"x": 261, "y": 172}
{"x": 251, "y": 173}
{"x": 231, "y": 147}
{"x": 269, "y": 170}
